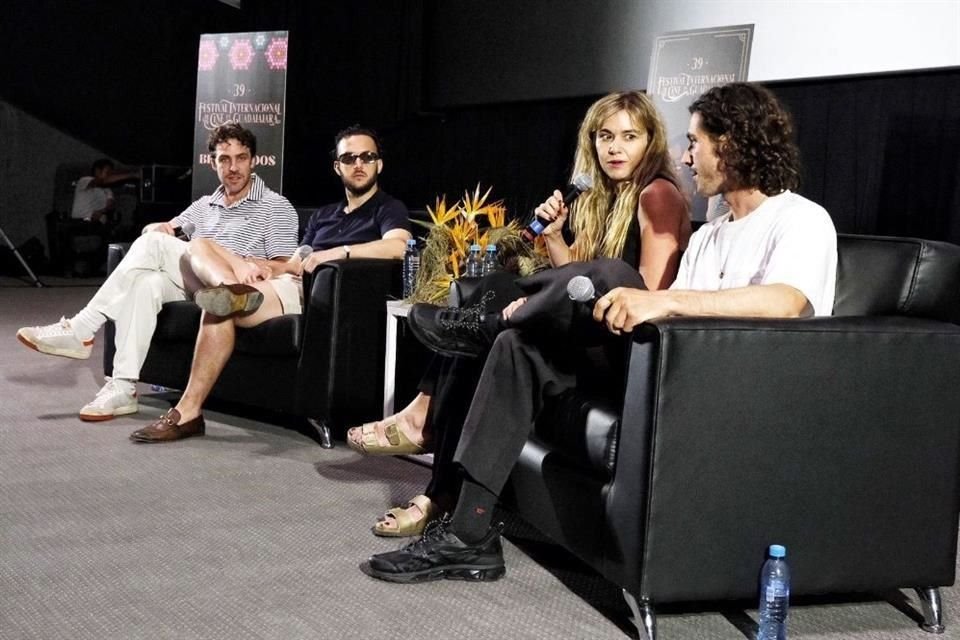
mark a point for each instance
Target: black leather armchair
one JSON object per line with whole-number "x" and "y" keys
{"x": 325, "y": 364}
{"x": 838, "y": 437}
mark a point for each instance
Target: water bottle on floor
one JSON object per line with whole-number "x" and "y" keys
{"x": 474, "y": 262}
{"x": 411, "y": 264}
{"x": 774, "y": 595}
{"x": 489, "y": 260}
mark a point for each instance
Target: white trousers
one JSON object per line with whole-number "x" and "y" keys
{"x": 152, "y": 273}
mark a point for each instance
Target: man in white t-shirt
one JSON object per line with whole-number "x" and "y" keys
{"x": 774, "y": 254}
{"x": 93, "y": 198}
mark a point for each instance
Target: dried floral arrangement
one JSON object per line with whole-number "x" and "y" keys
{"x": 452, "y": 229}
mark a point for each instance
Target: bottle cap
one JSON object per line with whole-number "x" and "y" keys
{"x": 474, "y": 247}
{"x": 777, "y": 551}
{"x": 491, "y": 247}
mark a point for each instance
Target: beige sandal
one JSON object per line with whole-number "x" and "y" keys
{"x": 397, "y": 441}
{"x": 406, "y": 525}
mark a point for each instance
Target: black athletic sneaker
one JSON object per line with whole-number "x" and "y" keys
{"x": 439, "y": 554}
{"x": 467, "y": 332}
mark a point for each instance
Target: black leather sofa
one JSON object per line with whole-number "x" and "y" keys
{"x": 838, "y": 437}
{"x": 325, "y": 364}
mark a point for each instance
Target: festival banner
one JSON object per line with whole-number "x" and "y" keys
{"x": 683, "y": 66}
{"x": 241, "y": 77}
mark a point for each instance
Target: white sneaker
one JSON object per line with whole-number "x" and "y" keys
{"x": 116, "y": 398}
{"x": 57, "y": 339}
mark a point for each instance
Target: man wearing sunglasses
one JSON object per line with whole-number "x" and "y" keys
{"x": 367, "y": 223}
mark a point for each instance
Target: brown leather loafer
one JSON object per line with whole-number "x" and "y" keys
{"x": 168, "y": 428}
{"x": 229, "y": 299}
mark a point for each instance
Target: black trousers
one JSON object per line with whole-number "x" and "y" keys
{"x": 450, "y": 383}
{"x": 554, "y": 346}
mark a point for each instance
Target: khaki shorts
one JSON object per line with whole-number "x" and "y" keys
{"x": 289, "y": 289}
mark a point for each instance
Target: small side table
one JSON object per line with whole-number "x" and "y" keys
{"x": 396, "y": 309}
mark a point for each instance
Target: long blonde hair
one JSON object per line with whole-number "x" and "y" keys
{"x": 600, "y": 219}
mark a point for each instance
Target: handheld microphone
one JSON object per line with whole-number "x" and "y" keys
{"x": 581, "y": 182}
{"x": 581, "y": 289}
{"x": 302, "y": 253}
{"x": 186, "y": 231}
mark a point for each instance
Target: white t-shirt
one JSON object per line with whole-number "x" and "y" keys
{"x": 87, "y": 199}
{"x": 786, "y": 240}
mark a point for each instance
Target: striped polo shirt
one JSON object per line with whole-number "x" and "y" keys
{"x": 263, "y": 224}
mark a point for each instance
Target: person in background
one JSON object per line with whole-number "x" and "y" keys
{"x": 93, "y": 197}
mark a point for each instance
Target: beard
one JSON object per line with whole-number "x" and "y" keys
{"x": 359, "y": 189}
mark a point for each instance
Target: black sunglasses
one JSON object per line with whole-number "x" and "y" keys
{"x": 367, "y": 157}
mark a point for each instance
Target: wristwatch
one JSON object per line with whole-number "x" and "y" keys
{"x": 346, "y": 251}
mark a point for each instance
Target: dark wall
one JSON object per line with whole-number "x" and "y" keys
{"x": 118, "y": 75}
{"x": 881, "y": 153}
{"x": 350, "y": 62}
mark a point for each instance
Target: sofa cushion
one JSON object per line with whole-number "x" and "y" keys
{"x": 889, "y": 276}
{"x": 179, "y": 322}
{"x": 277, "y": 337}
{"x": 582, "y": 429}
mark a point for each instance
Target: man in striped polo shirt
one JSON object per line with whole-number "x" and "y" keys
{"x": 243, "y": 215}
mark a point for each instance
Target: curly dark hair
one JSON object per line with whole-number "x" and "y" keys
{"x": 356, "y": 130}
{"x": 232, "y": 131}
{"x": 753, "y": 134}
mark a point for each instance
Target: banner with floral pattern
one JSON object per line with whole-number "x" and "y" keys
{"x": 241, "y": 77}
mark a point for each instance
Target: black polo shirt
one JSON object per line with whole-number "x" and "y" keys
{"x": 330, "y": 227}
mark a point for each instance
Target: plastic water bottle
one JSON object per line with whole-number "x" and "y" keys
{"x": 474, "y": 262}
{"x": 411, "y": 264}
{"x": 489, "y": 260}
{"x": 774, "y": 595}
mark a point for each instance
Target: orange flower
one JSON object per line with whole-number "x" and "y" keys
{"x": 497, "y": 215}
{"x": 455, "y": 265}
{"x": 473, "y": 205}
{"x": 462, "y": 233}
{"x": 440, "y": 214}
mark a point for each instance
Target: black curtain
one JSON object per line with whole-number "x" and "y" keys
{"x": 882, "y": 153}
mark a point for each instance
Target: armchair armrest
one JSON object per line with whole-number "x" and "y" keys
{"x": 461, "y": 290}
{"x": 837, "y": 437}
{"x": 344, "y": 333}
{"x": 115, "y": 253}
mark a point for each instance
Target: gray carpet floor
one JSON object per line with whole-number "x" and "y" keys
{"x": 256, "y": 532}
